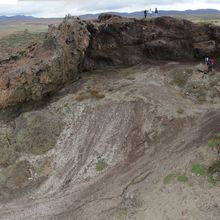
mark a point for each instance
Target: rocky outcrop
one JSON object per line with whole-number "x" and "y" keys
{"x": 129, "y": 41}
{"x": 76, "y": 45}
{"x": 44, "y": 68}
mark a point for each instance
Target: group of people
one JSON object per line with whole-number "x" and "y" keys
{"x": 150, "y": 12}
{"x": 210, "y": 63}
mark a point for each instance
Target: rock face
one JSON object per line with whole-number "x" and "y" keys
{"x": 121, "y": 41}
{"x": 45, "y": 68}
{"x": 76, "y": 46}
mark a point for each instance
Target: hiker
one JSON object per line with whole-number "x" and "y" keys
{"x": 145, "y": 13}
{"x": 156, "y": 12}
{"x": 210, "y": 64}
{"x": 206, "y": 60}
{"x": 150, "y": 12}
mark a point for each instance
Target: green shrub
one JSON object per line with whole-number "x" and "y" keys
{"x": 101, "y": 165}
{"x": 214, "y": 168}
{"x": 213, "y": 143}
{"x": 169, "y": 178}
{"x": 182, "y": 178}
{"x": 210, "y": 178}
{"x": 199, "y": 169}
{"x": 180, "y": 79}
{"x": 122, "y": 214}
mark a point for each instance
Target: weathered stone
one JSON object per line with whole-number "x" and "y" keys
{"x": 75, "y": 46}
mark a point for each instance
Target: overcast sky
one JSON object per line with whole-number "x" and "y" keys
{"x": 59, "y": 8}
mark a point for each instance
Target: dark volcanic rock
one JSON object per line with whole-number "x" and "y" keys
{"x": 105, "y": 17}
{"x": 124, "y": 41}
{"x": 76, "y": 46}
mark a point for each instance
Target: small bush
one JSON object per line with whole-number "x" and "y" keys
{"x": 122, "y": 214}
{"x": 169, "y": 178}
{"x": 101, "y": 165}
{"x": 201, "y": 98}
{"x": 199, "y": 169}
{"x": 213, "y": 143}
{"x": 91, "y": 94}
{"x": 182, "y": 178}
{"x": 180, "y": 79}
{"x": 180, "y": 111}
{"x": 82, "y": 97}
{"x": 215, "y": 167}
{"x": 210, "y": 178}
{"x": 3, "y": 179}
{"x": 95, "y": 93}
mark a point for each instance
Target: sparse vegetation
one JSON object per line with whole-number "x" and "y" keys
{"x": 182, "y": 178}
{"x": 12, "y": 46}
{"x": 101, "y": 165}
{"x": 199, "y": 169}
{"x": 93, "y": 93}
{"x": 201, "y": 98}
{"x": 169, "y": 178}
{"x": 82, "y": 97}
{"x": 180, "y": 79}
{"x": 3, "y": 179}
{"x": 214, "y": 142}
{"x": 180, "y": 111}
{"x": 122, "y": 214}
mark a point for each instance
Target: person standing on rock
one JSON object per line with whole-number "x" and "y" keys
{"x": 145, "y": 13}
{"x": 156, "y": 12}
{"x": 150, "y": 12}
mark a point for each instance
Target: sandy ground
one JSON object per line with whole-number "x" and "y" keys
{"x": 135, "y": 126}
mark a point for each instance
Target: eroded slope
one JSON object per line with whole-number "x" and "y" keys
{"x": 119, "y": 133}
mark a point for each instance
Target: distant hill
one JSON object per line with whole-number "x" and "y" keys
{"x": 161, "y": 13}
{"x": 17, "y": 17}
{"x": 125, "y": 14}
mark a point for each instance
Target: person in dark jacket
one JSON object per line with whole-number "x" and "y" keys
{"x": 145, "y": 13}
{"x": 156, "y": 12}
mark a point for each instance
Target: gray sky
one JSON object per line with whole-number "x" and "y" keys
{"x": 59, "y": 8}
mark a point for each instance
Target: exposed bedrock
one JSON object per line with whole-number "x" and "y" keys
{"x": 75, "y": 46}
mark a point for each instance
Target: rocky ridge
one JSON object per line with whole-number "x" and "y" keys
{"x": 75, "y": 46}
